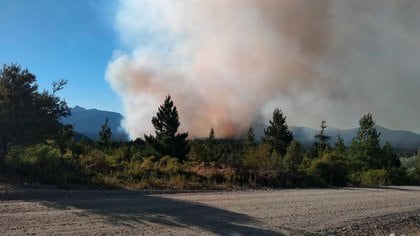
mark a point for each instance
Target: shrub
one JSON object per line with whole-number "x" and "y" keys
{"x": 330, "y": 169}
{"x": 45, "y": 164}
{"x": 412, "y": 166}
{"x": 98, "y": 161}
{"x": 374, "y": 178}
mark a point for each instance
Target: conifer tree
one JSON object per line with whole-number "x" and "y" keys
{"x": 167, "y": 140}
{"x": 366, "y": 146}
{"x": 277, "y": 134}
{"x": 105, "y": 133}
{"x": 250, "y": 138}
{"x": 212, "y": 151}
{"x": 322, "y": 138}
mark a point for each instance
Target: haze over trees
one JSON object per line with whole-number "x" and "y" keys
{"x": 36, "y": 147}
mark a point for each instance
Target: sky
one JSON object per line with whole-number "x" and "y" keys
{"x": 228, "y": 63}
{"x": 66, "y": 39}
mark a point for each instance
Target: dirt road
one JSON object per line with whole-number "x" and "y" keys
{"x": 270, "y": 212}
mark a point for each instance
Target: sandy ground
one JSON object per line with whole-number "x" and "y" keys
{"x": 269, "y": 212}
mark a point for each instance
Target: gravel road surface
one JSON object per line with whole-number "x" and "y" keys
{"x": 349, "y": 211}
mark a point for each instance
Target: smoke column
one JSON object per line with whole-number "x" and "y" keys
{"x": 228, "y": 62}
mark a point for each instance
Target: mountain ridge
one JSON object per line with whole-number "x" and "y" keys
{"x": 88, "y": 122}
{"x": 399, "y": 139}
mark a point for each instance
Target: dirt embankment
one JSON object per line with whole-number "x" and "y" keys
{"x": 268, "y": 212}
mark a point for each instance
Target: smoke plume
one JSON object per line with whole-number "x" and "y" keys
{"x": 228, "y": 62}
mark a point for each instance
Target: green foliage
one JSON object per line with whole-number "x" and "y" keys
{"x": 167, "y": 140}
{"x": 259, "y": 158}
{"x": 374, "y": 178}
{"x": 390, "y": 160}
{"x": 211, "y": 150}
{"x": 339, "y": 146}
{"x": 65, "y": 138}
{"x": 250, "y": 138}
{"x": 322, "y": 139}
{"x": 45, "y": 164}
{"x": 277, "y": 134}
{"x": 26, "y": 115}
{"x": 216, "y": 151}
{"x": 330, "y": 169}
{"x": 294, "y": 156}
{"x": 105, "y": 133}
{"x": 365, "y": 149}
{"x": 29, "y": 117}
{"x": 263, "y": 164}
{"x": 97, "y": 161}
{"x": 412, "y": 167}
{"x": 205, "y": 151}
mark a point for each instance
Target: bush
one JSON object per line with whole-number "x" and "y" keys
{"x": 330, "y": 169}
{"x": 374, "y": 178}
{"x": 45, "y": 164}
{"x": 263, "y": 164}
{"x": 97, "y": 161}
{"x": 412, "y": 166}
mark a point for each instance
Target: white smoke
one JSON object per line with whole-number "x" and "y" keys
{"x": 226, "y": 62}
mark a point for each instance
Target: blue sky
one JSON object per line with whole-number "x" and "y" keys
{"x": 65, "y": 39}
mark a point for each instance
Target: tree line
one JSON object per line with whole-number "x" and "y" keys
{"x": 35, "y": 146}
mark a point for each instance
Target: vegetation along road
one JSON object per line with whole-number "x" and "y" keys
{"x": 251, "y": 212}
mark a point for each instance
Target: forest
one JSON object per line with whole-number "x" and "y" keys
{"x": 35, "y": 148}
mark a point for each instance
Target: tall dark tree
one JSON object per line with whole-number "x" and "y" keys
{"x": 167, "y": 140}
{"x": 277, "y": 134}
{"x": 212, "y": 137}
{"x": 105, "y": 133}
{"x": 322, "y": 138}
{"x": 27, "y": 116}
{"x": 390, "y": 158}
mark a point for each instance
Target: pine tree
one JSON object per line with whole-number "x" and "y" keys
{"x": 105, "y": 133}
{"x": 277, "y": 134}
{"x": 250, "y": 138}
{"x": 366, "y": 146}
{"x": 322, "y": 138}
{"x": 167, "y": 141}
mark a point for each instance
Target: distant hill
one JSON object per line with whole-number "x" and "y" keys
{"x": 401, "y": 140}
{"x": 88, "y": 122}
